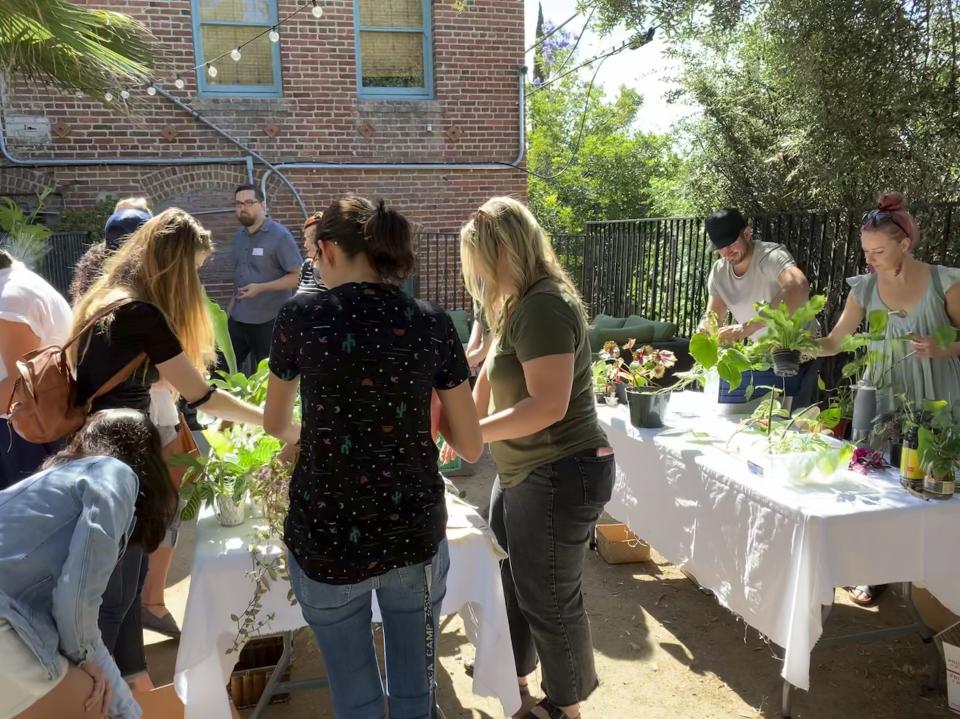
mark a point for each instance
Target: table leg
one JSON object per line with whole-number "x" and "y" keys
{"x": 275, "y": 686}
{"x": 785, "y": 700}
{"x": 926, "y": 636}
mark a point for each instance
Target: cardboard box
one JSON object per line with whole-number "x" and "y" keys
{"x": 161, "y": 703}
{"x": 950, "y": 643}
{"x": 934, "y": 614}
{"x": 255, "y": 665}
{"x": 618, "y": 545}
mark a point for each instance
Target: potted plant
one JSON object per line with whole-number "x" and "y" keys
{"x": 939, "y": 448}
{"x": 647, "y": 402}
{"x": 601, "y": 380}
{"x": 221, "y": 478}
{"x": 787, "y": 334}
{"x": 839, "y": 411}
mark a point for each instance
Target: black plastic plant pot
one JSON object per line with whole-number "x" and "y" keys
{"x": 864, "y": 409}
{"x": 786, "y": 363}
{"x": 621, "y": 389}
{"x": 601, "y": 397}
{"x": 647, "y": 409}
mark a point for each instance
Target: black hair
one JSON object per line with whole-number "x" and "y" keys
{"x": 382, "y": 234}
{"x": 87, "y": 271}
{"x": 5, "y": 260}
{"x": 131, "y": 437}
{"x": 251, "y": 188}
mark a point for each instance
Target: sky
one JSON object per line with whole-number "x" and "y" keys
{"x": 646, "y": 70}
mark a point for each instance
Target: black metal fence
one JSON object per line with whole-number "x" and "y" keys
{"x": 658, "y": 268}
{"x": 64, "y": 250}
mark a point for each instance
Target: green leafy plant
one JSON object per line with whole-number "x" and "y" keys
{"x": 221, "y": 334}
{"x": 252, "y": 389}
{"x": 786, "y": 330}
{"x": 26, "y": 240}
{"x": 939, "y": 446}
{"x": 227, "y": 470}
{"x": 729, "y": 361}
{"x": 601, "y": 376}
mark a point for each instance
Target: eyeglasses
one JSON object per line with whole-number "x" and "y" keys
{"x": 246, "y": 203}
{"x": 880, "y": 217}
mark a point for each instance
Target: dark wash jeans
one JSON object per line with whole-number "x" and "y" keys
{"x": 120, "y": 623}
{"x": 545, "y": 524}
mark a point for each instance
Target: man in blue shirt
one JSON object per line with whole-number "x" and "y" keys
{"x": 266, "y": 270}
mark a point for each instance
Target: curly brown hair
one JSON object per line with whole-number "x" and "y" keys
{"x": 88, "y": 269}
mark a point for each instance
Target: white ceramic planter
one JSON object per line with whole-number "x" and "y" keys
{"x": 229, "y": 512}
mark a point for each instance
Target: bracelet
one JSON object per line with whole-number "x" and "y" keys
{"x": 203, "y": 400}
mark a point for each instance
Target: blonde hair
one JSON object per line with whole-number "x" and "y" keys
{"x": 132, "y": 203}
{"x": 159, "y": 266}
{"x": 505, "y": 227}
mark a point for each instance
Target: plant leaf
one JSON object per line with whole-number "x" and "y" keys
{"x": 944, "y": 336}
{"x": 704, "y": 350}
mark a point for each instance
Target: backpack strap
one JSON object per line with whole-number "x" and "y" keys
{"x": 128, "y": 368}
{"x": 97, "y": 316}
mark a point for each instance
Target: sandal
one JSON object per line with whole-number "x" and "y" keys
{"x": 546, "y": 709}
{"x": 866, "y": 595}
{"x": 165, "y": 625}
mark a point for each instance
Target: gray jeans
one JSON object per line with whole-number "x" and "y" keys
{"x": 545, "y": 524}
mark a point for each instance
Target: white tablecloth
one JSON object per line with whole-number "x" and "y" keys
{"x": 773, "y": 552}
{"x": 219, "y": 587}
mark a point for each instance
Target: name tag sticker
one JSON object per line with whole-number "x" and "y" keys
{"x": 258, "y": 252}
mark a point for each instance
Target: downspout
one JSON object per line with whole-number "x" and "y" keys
{"x": 239, "y": 143}
{"x": 521, "y": 151}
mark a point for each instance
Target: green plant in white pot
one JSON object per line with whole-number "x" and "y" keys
{"x": 222, "y": 478}
{"x": 646, "y": 400}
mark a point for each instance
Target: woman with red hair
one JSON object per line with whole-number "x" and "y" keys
{"x": 918, "y": 298}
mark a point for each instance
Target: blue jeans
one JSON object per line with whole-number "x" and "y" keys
{"x": 340, "y": 617}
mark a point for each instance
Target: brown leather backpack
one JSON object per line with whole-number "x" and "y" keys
{"x": 43, "y": 407}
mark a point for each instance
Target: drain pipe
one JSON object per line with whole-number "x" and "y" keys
{"x": 521, "y": 151}
{"x": 239, "y": 143}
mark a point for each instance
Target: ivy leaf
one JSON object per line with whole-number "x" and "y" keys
{"x": 877, "y": 322}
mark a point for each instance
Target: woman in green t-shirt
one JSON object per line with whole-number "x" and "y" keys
{"x": 556, "y": 470}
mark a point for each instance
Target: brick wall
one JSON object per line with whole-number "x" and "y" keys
{"x": 472, "y": 118}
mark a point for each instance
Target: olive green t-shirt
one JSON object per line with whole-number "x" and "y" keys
{"x": 545, "y": 322}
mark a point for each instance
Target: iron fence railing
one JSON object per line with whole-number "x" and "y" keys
{"x": 658, "y": 268}
{"x": 64, "y": 250}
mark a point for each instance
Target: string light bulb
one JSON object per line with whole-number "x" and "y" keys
{"x": 108, "y": 96}
{"x": 273, "y": 34}
{"x": 124, "y": 94}
{"x": 179, "y": 83}
{"x": 211, "y": 70}
{"x": 151, "y": 91}
{"x": 235, "y": 54}
{"x": 317, "y": 10}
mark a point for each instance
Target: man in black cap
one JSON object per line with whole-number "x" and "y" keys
{"x": 749, "y": 272}
{"x": 746, "y": 273}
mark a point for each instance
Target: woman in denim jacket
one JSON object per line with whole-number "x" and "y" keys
{"x": 61, "y": 533}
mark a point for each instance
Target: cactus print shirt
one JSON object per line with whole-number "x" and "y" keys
{"x": 366, "y": 496}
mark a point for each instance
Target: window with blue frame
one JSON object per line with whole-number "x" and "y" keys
{"x": 394, "y": 48}
{"x": 220, "y": 26}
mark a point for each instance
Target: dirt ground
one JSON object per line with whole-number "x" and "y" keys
{"x": 664, "y": 650}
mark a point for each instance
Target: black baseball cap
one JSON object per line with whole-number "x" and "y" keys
{"x": 724, "y": 226}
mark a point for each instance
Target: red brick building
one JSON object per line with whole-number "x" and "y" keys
{"x": 416, "y": 101}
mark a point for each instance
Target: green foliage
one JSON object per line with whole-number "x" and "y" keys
{"x": 812, "y": 103}
{"x": 588, "y": 159}
{"x": 730, "y": 361}
{"x": 228, "y": 468}
{"x": 221, "y": 333}
{"x": 939, "y": 446}
{"x": 786, "y": 330}
{"x": 87, "y": 219}
{"x": 252, "y": 389}
{"x": 26, "y": 240}
{"x": 72, "y": 46}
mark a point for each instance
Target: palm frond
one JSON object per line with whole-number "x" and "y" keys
{"x": 73, "y": 47}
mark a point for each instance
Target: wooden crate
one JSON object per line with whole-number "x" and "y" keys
{"x": 257, "y": 661}
{"x": 618, "y": 545}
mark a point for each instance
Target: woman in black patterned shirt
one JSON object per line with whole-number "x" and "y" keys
{"x": 367, "y": 510}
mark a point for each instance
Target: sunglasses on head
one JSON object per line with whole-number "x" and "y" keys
{"x": 314, "y": 219}
{"x": 880, "y": 217}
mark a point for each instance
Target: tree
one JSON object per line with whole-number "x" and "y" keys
{"x": 71, "y": 46}
{"x": 587, "y": 159}
{"x": 814, "y": 103}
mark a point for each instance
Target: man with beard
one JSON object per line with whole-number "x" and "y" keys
{"x": 266, "y": 270}
{"x": 748, "y": 272}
